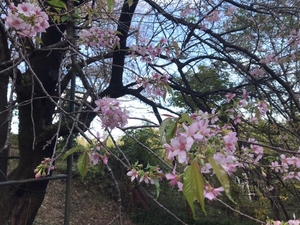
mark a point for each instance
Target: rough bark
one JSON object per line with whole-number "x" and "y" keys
{"x": 4, "y": 79}
{"x": 20, "y": 203}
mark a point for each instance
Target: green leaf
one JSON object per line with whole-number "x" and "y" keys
{"x": 186, "y": 118}
{"x": 58, "y": 4}
{"x": 83, "y": 164}
{"x": 222, "y": 176}
{"x": 176, "y": 46}
{"x": 64, "y": 18}
{"x": 168, "y": 129}
{"x": 71, "y": 151}
{"x": 38, "y": 40}
{"x": 165, "y": 93}
{"x": 130, "y": 2}
{"x": 110, "y": 5}
{"x": 56, "y": 18}
{"x": 156, "y": 183}
{"x": 118, "y": 46}
{"x": 170, "y": 90}
{"x": 193, "y": 186}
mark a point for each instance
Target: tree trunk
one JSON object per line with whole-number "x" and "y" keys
{"x": 20, "y": 203}
{"x": 4, "y": 79}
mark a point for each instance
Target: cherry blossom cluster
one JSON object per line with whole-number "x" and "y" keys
{"x": 187, "y": 11}
{"x": 213, "y": 16}
{"x": 155, "y": 86}
{"x": 149, "y": 175}
{"x": 288, "y": 166}
{"x": 277, "y": 222}
{"x": 175, "y": 179}
{"x": 251, "y": 154}
{"x": 94, "y": 150}
{"x": 153, "y": 174}
{"x": 112, "y": 114}
{"x": 99, "y": 38}
{"x": 148, "y": 52}
{"x": 200, "y": 136}
{"x": 27, "y": 19}
{"x": 204, "y": 132}
{"x": 260, "y": 107}
{"x": 42, "y": 169}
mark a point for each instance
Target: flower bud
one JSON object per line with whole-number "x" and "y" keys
{"x": 37, "y": 175}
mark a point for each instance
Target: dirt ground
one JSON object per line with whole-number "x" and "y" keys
{"x": 89, "y": 206}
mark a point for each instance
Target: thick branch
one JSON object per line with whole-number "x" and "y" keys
{"x": 116, "y": 83}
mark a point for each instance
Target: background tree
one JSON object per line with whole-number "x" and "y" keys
{"x": 147, "y": 49}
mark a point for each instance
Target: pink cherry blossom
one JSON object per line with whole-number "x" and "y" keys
{"x": 112, "y": 115}
{"x": 174, "y": 181}
{"x": 262, "y": 107}
{"x": 212, "y": 193}
{"x": 230, "y": 141}
{"x": 26, "y": 9}
{"x": 230, "y": 11}
{"x": 180, "y": 145}
{"x": 294, "y": 222}
{"x": 169, "y": 151}
{"x": 104, "y": 159}
{"x": 94, "y": 158}
{"x": 27, "y": 19}
{"x": 256, "y": 148}
{"x": 197, "y": 130}
{"x": 154, "y": 86}
{"x": 206, "y": 168}
{"x": 213, "y": 16}
{"x": 133, "y": 174}
{"x": 284, "y": 160}
{"x": 236, "y": 118}
{"x": 163, "y": 40}
{"x": 296, "y": 162}
{"x": 269, "y": 58}
{"x": 149, "y": 53}
{"x": 99, "y": 38}
{"x": 276, "y": 166}
{"x": 187, "y": 11}
{"x": 38, "y": 175}
{"x": 274, "y": 222}
{"x": 243, "y": 103}
{"x": 228, "y": 162}
{"x": 145, "y": 177}
{"x": 44, "y": 168}
{"x": 229, "y": 96}
{"x": 257, "y": 72}
{"x": 245, "y": 94}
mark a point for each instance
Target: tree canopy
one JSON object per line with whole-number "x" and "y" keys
{"x": 231, "y": 68}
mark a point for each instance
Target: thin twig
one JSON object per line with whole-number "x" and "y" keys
{"x": 243, "y": 214}
{"x": 118, "y": 191}
{"x": 162, "y": 206}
